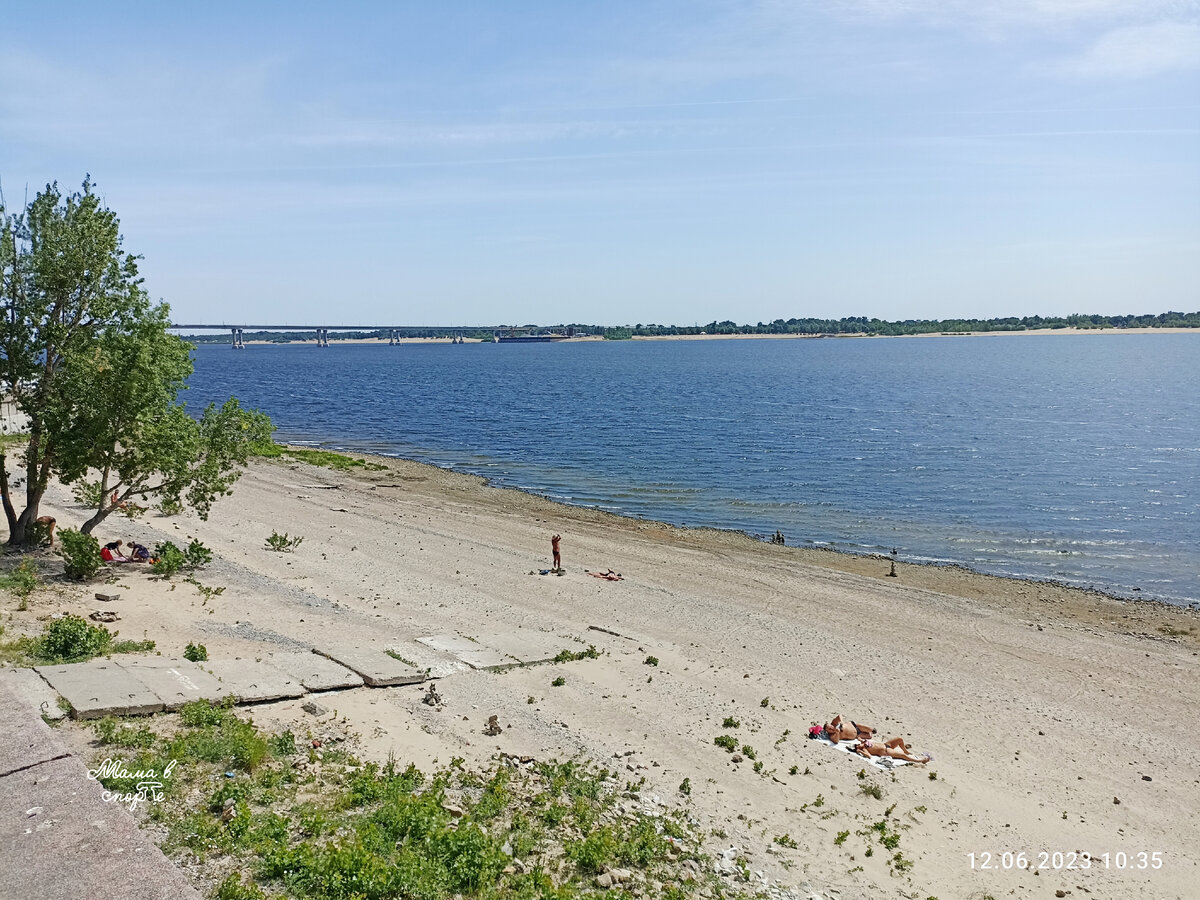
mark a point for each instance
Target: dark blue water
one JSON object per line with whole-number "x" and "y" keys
{"x": 1072, "y": 458}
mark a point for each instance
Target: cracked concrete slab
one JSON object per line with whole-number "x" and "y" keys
{"x": 29, "y": 686}
{"x": 175, "y": 681}
{"x": 315, "y": 672}
{"x": 529, "y": 646}
{"x": 254, "y": 682}
{"x": 434, "y": 663}
{"x": 376, "y": 667}
{"x": 26, "y": 740}
{"x": 473, "y": 653}
{"x": 100, "y": 688}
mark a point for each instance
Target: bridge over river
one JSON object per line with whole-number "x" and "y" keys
{"x": 394, "y": 332}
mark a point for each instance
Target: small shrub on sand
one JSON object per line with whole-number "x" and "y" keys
{"x": 571, "y": 656}
{"x": 80, "y": 553}
{"x": 23, "y": 580}
{"x": 282, "y": 543}
{"x": 71, "y": 639}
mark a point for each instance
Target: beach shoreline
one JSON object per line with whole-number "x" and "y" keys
{"x": 1032, "y": 332}
{"x": 1028, "y": 694}
{"x": 853, "y": 562}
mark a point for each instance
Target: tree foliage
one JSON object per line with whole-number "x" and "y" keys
{"x": 91, "y": 362}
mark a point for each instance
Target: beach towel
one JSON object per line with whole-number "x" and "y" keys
{"x": 879, "y": 762}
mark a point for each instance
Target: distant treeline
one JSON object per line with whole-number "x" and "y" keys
{"x": 848, "y": 325}
{"x": 866, "y": 326}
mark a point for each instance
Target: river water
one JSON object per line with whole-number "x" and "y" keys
{"x": 1065, "y": 457}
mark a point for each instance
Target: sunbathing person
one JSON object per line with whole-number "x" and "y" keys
{"x": 892, "y": 747}
{"x": 610, "y": 575}
{"x": 841, "y": 730}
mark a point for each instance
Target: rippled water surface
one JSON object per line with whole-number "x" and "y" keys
{"x": 1061, "y": 457}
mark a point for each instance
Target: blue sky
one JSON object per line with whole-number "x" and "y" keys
{"x": 624, "y": 162}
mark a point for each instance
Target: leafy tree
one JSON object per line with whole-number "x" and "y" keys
{"x": 89, "y": 359}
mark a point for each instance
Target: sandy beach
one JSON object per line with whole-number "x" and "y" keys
{"x": 1060, "y": 720}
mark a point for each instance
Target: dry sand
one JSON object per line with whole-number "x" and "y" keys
{"x": 1044, "y": 706}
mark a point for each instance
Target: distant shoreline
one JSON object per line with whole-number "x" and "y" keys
{"x": 1034, "y": 332}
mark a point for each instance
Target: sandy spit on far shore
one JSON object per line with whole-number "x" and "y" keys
{"x": 1060, "y": 720}
{"x": 1036, "y": 332}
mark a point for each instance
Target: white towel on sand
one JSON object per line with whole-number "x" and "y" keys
{"x": 879, "y": 762}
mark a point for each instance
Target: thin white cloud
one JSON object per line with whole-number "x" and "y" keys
{"x": 995, "y": 15}
{"x": 1138, "y": 51}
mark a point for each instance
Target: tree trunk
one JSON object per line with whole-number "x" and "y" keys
{"x": 23, "y": 531}
{"x": 9, "y": 512}
{"x": 100, "y": 516}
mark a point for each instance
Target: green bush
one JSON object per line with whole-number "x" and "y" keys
{"x": 727, "y": 741}
{"x": 281, "y": 543}
{"x": 81, "y": 554}
{"x": 595, "y": 851}
{"x": 71, "y": 639}
{"x": 197, "y": 555}
{"x": 170, "y": 560}
{"x": 22, "y": 580}
{"x": 195, "y": 652}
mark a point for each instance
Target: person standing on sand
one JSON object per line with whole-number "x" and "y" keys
{"x": 554, "y": 549}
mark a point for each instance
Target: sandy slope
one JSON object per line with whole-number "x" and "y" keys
{"x": 1041, "y": 704}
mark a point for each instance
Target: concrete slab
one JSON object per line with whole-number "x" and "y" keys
{"x": 486, "y": 658}
{"x": 434, "y": 663}
{"x": 473, "y": 653}
{"x": 99, "y": 688}
{"x": 315, "y": 672}
{"x": 254, "y": 682}
{"x": 529, "y": 646}
{"x": 174, "y": 681}
{"x": 25, "y": 740}
{"x": 59, "y": 841}
{"x": 29, "y": 686}
{"x": 376, "y": 667}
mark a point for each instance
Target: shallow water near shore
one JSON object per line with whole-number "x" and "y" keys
{"x": 1072, "y": 458}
